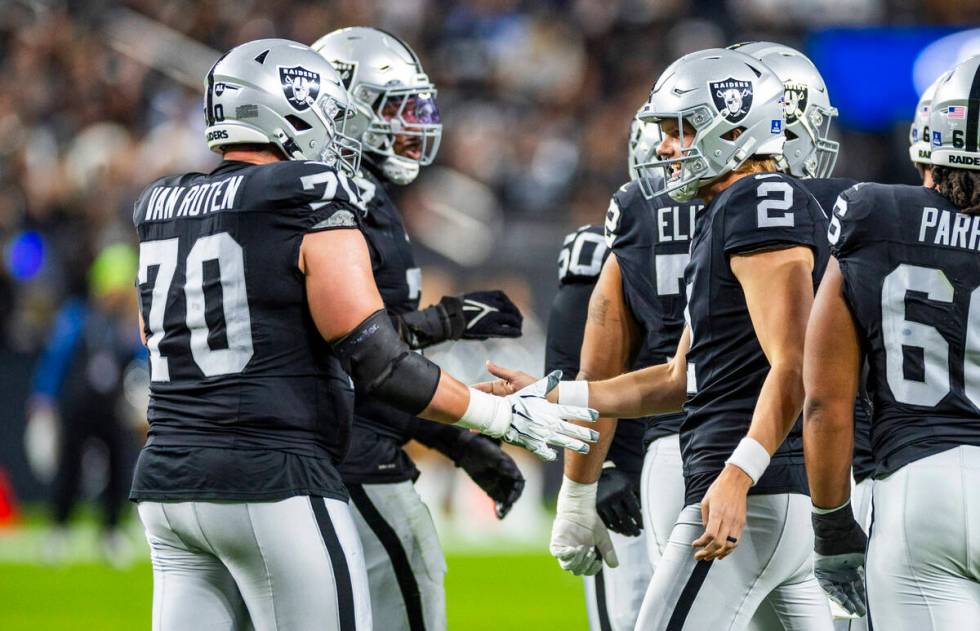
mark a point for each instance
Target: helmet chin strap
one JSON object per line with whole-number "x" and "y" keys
{"x": 399, "y": 170}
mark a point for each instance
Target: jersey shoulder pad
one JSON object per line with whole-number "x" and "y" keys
{"x": 826, "y": 190}
{"x": 768, "y": 210}
{"x": 582, "y": 255}
{"x": 851, "y": 222}
{"x": 626, "y": 217}
{"x": 148, "y": 195}
{"x": 302, "y": 186}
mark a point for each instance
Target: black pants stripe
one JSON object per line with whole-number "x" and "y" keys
{"x": 600, "y": 601}
{"x": 690, "y": 592}
{"x": 338, "y": 561}
{"x": 402, "y": 567}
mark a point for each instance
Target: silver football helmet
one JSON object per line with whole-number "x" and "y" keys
{"x": 919, "y": 141}
{"x": 715, "y": 91}
{"x": 953, "y": 117}
{"x": 645, "y": 137}
{"x": 808, "y": 151}
{"x": 280, "y": 92}
{"x": 397, "y": 117}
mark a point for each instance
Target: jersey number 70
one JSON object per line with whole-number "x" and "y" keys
{"x": 222, "y": 248}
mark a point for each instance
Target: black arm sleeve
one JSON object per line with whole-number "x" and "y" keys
{"x": 383, "y": 366}
{"x": 446, "y": 439}
{"x": 434, "y": 324}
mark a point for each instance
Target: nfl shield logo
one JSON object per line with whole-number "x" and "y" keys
{"x": 796, "y": 98}
{"x": 733, "y": 98}
{"x": 301, "y": 86}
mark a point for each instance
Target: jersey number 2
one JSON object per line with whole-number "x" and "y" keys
{"x": 222, "y": 248}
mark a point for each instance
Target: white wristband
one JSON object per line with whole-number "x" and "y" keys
{"x": 751, "y": 457}
{"x": 573, "y": 393}
{"x": 486, "y": 413}
{"x": 826, "y": 511}
{"x": 575, "y": 496}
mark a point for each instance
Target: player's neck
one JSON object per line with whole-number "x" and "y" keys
{"x": 714, "y": 189}
{"x": 252, "y": 156}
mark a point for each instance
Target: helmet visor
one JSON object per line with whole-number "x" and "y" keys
{"x": 410, "y": 118}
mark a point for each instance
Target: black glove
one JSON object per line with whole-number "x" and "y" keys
{"x": 491, "y": 468}
{"x": 474, "y": 316}
{"x": 618, "y": 502}
{"x": 489, "y": 314}
{"x": 839, "y": 546}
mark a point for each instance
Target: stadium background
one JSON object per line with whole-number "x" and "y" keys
{"x": 98, "y": 98}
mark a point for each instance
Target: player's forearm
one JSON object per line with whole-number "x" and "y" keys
{"x": 779, "y": 405}
{"x": 585, "y": 468}
{"x": 828, "y": 446}
{"x": 449, "y": 402}
{"x": 646, "y": 392}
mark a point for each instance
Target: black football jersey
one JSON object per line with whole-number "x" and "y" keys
{"x": 826, "y": 191}
{"x": 725, "y": 365}
{"x": 911, "y": 272}
{"x": 380, "y": 430}
{"x": 579, "y": 264}
{"x": 651, "y": 240}
{"x": 247, "y": 401}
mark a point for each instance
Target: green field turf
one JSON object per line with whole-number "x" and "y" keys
{"x": 484, "y": 593}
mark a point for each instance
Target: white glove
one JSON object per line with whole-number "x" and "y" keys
{"x": 527, "y": 419}
{"x": 579, "y": 540}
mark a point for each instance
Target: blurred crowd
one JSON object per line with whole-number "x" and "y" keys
{"x": 98, "y": 98}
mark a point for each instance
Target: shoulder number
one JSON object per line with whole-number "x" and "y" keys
{"x": 778, "y": 196}
{"x": 577, "y": 259}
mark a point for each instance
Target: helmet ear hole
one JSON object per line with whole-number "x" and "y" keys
{"x": 298, "y": 123}
{"x": 733, "y": 134}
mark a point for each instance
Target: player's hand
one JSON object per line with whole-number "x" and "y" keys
{"x": 579, "y": 540}
{"x": 838, "y": 562}
{"x": 515, "y": 379}
{"x": 486, "y": 314}
{"x": 537, "y": 423}
{"x": 498, "y": 387}
{"x": 492, "y": 469}
{"x": 618, "y": 502}
{"x": 723, "y": 514}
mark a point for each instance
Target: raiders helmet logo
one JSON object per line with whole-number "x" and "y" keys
{"x": 733, "y": 98}
{"x": 795, "y": 99}
{"x": 346, "y": 70}
{"x": 301, "y": 86}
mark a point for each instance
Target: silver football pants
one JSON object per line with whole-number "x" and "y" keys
{"x": 923, "y": 565}
{"x": 613, "y": 597}
{"x": 772, "y": 564}
{"x": 406, "y": 567}
{"x": 291, "y": 565}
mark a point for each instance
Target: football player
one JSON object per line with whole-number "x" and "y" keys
{"x": 810, "y": 155}
{"x": 902, "y": 289}
{"x": 256, "y": 302}
{"x": 613, "y": 595}
{"x": 920, "y": 147}
{"x": 755, "y": 260}
{"x": 635, "y": 320}
{"x": 397, "y": 121}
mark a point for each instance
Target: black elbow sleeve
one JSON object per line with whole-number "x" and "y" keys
{"x": 383, "y": 366}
